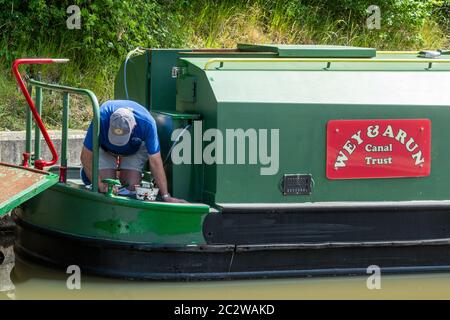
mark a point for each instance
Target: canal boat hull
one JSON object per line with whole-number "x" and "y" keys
{"x": 206, "y": 262}
{"x": 283, "y": 242}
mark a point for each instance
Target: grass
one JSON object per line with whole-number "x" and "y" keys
{"x": 214, "y": 24}
{"x": 219, "y": 25}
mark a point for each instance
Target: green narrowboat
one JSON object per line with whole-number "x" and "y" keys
{"x": 296, "y": 161}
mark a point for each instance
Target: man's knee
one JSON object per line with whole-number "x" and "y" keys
{"x": 107, "y": 173}
{"x": 130, "y": 178}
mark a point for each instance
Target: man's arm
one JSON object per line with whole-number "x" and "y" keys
{"x": 86, "y": 161}
{"x": 157, "y": 169}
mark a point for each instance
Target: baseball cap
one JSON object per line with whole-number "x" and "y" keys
{"x": 121, "y": 123}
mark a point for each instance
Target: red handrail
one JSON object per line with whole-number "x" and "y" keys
{"x": 38, "y": 163}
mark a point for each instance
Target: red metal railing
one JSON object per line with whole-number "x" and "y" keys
{"x": 38, "y": 163}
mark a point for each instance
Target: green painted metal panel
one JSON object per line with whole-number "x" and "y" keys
{"x": 18, "y": 184}
{"x": 149, "y": 79}
{"x": 303, "y": 151}
{"x": 316, "y": 51}
{"x": 205, "y": 105}
{"x": 186, "y": 92}
{"x": 184, "y": 180}
{"x": 162, "y": 85}
{"x": 75, "y": 210}
{"x": 339, "y": 87}
{"x": 136, "y": 80}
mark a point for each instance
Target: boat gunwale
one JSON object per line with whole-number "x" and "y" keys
{"x": 182, "y": 208}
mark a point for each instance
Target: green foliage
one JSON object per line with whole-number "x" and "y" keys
{"x": 111, "y": 28}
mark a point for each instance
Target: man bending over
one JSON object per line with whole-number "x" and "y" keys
{"x": 128, "y": 132}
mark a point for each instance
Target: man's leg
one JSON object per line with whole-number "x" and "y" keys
{"x": 131, "y": 168}
{"x": 130, "y": 178}
{"x": 107, "y": 167}
{"x": 107, "y": 173}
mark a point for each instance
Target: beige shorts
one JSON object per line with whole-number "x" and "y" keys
{"x": 132, "y": 162}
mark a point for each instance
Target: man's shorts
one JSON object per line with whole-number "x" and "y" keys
{"x": 134, "y": 161}
{"x": 108, "y": 160}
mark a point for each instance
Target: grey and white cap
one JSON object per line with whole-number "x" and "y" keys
{"x": 121, "y": 124}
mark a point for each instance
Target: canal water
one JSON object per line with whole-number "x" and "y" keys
{"x": 24, "y": 280}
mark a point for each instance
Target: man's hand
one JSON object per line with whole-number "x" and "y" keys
{"x": 174, "y": 200}
{"x": 157, "y": 169}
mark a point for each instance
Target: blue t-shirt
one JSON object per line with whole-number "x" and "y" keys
{"x": 144, "y": 131}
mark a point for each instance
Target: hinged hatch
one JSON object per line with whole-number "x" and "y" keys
{"x": 310, "y": 51}
{"x": 18, "y": 184}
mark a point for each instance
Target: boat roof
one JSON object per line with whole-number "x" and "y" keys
{"x": 312, "y": 57}
{"x": 388, "y": 78}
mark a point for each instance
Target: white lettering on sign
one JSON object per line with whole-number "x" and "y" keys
{"x": 374, "y": 131}
{"x": 374, "y": 161}
{"x": 371, "y": 148}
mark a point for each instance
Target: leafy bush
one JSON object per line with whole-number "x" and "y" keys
{"x": 108, "y": 27}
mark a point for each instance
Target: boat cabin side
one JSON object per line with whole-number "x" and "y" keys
{"x": 296, "y": 125}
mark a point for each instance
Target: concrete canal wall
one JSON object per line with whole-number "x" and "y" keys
{"x": 12, "y": 145}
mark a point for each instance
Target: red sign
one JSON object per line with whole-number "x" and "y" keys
{"x": 358, "y": 149}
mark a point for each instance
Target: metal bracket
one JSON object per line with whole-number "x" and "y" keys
{"x": 176, "y": 72}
